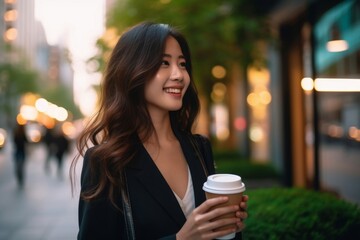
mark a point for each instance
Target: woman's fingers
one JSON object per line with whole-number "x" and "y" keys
{"x": 211, "y": 225}
{"x": 205, "y": 206}
{"x": 214, "y": 213}
{"x": 240, "y": 226}
{"x": 206, "y": 216}
{"x": 220, "y": 233}
{"x": 206, "y": 219}
{"x": 243, "y": 204}
{"x": 231, "y": 225}
{"x": 212, "y": 219}
{"x": 242, "y": 215}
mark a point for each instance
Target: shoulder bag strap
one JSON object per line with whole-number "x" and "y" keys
{"x": 129, "y": 223}
{"x": 199, "y": 155}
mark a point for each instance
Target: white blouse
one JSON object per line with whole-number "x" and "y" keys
{"x": 187, "y": 204}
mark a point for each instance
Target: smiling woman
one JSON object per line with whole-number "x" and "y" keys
{"x": 144, "y": 149}
{"x": 167, "y": 88}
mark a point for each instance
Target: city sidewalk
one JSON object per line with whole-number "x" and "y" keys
{"x": 45, "y": 208}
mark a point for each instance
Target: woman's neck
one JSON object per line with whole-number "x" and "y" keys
{"x": 163, "y": 132}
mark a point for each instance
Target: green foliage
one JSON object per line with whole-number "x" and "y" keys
{"x": 219, "y": 32}
{"x": 280, "y": 213}
{"x": 16, "y": 79}
{"x": 232, "y": 162}
{"x": 246, "y": 169}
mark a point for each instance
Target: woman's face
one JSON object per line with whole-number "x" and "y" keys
{"x": 166, "y": 90}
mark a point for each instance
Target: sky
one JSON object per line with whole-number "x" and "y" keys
{"x": 76, "y": 25}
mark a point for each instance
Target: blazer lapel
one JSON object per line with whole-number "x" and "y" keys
{"x": 197, "y": 172}
{"x": 145, "y": 170}
{"x": 150, "y": 177}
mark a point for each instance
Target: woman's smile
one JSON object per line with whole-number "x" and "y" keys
{"x": 173, "y": 90}
{"x": 166, "y": 90}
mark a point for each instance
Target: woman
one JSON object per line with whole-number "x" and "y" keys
{"x": 144, "y": 147}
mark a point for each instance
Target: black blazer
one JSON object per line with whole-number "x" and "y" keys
{"x": 156, "y": 212}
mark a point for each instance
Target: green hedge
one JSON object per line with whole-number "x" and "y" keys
{"x": 286, "y": 214}
{"x": 232, "y": 162}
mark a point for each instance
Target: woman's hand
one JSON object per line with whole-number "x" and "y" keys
{"x": 201, "y": 223}
{"x": 242, "y": 213}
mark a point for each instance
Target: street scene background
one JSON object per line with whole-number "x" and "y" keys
{"x": 278, "y": 81}
{"x": 45, "y": 207}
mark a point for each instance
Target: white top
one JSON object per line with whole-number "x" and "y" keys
{"x": 187, "y": 204}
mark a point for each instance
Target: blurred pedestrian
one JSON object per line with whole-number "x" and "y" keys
{"x": 61, "y": 145}
{"x": 20, "y": 142}
{"x": 49, "y": 143}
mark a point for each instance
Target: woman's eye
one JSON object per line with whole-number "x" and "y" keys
{"x": 183, "y": 64}
{"x": 164, "y": 62}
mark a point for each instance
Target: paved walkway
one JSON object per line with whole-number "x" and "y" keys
{"x": 45, "y": 208}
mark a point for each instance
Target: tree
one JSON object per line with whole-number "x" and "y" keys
{"x": 15, "y": 80}
{"x": 219, "y": 32}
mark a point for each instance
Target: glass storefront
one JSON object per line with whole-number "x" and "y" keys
{"x": 338, "y": 99}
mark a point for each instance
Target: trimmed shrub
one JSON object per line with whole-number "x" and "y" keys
{"x": 229, "y": 162}
{"x": 292, "y": 213}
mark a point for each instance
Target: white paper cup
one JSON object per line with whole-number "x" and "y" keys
{"x": 229, "y": 185}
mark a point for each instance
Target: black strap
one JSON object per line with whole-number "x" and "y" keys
{"x": 199, "y": 155}
{"x": 129, "y": 223}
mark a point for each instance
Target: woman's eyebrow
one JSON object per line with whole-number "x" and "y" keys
{"x": 169, "y": 55}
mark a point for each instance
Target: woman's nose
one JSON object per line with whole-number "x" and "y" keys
{"x": 177, "y": 73}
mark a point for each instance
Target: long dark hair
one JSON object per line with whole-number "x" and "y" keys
{"x": 122, "y": 110}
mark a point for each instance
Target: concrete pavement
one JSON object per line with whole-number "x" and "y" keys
{"x": 45, "y": 208}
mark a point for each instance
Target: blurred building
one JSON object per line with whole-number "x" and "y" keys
{"x": 24, "y": 41}
{"x": 21, "y": 30}
{"x": 315, "y": 86}
{"x": 302, "y": 110}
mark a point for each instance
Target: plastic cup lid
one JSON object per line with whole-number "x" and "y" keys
{"x": 224, "y": 184}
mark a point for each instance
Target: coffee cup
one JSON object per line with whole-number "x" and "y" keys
{"x": 229, "y": 185}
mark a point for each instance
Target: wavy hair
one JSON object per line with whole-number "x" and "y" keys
{"x": 122, "y": 112}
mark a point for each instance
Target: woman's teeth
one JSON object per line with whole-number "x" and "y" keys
{"x": 172, "y": 90}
